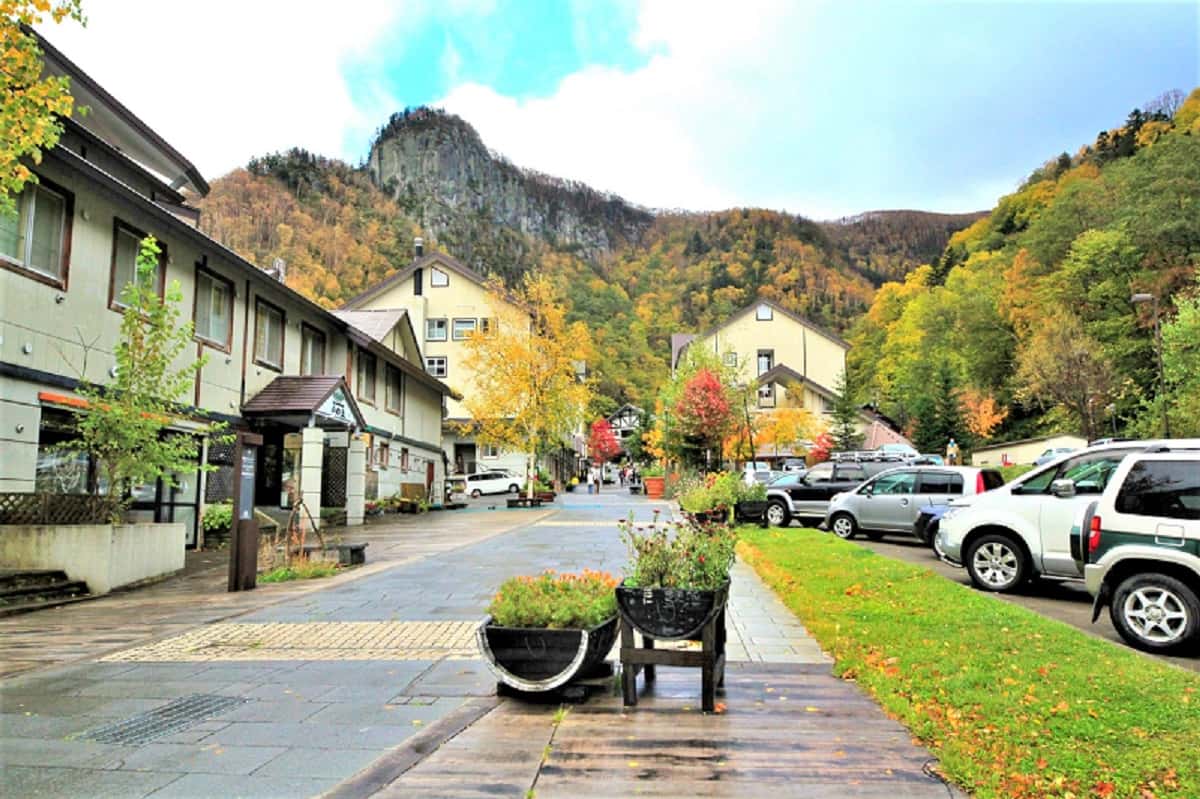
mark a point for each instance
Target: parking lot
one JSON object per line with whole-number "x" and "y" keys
{"x": 1064, "y": 601}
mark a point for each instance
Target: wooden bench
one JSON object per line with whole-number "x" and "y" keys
{"x": 348, "y": 554}
{"x": 710, "y": 660}
{"x": 524, "y": 502}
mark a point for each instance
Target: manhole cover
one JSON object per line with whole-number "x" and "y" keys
{"x": 179, "y": 714}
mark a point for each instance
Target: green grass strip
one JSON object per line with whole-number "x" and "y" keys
{"x": 299, "y": 571}
{"x": 1012, "y": 703}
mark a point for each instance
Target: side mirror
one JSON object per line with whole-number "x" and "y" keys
{"x": 1063, "y": 489}
{"x": 867, "y": 490}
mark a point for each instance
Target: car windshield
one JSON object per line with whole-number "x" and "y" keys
{"x": 785, "y": 481}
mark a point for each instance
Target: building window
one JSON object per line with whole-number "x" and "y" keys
{"x": 383, "y": 454}
{"x": 435, "y": 329}
{"x": 366, "y": 376}
{"x": 766, "y": 360}
{"x": 487, "y": 325}
{"x": 731, "y": 359}
{"x": 312, "y": 351}
{"x": 438, "y": 278}
{"x": 491, "y": 451}
{"x": 436, "y": 365}
{"x": 37, "y": 239}
{"x": 764, "y": 313}
{"x": 404, "y": 458}
{"x": 394, "y": 390}
{"x": 463, "y": 328}
{"x": 268, "y": 335}
{"x": 214, "y": 309}
{"x": 127, "y": 243}
{"x": 766, "y": 396}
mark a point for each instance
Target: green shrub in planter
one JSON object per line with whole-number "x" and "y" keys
{"x": 218, "y": 518}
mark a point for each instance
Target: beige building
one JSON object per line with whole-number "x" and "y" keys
{"x": 343, "y": 402}
{"x": 1023, "y": 451}
{"x": 795, "y": 363}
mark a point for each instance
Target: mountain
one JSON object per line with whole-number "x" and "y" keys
{"x": 633, "y": 274}
{"x": 1027, "y": 314}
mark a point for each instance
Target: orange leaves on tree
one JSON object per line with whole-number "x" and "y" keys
{"x": 703, "y": 410}
{"x": 981, "y": 413}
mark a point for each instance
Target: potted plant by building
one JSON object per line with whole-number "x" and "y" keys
{"x": 654, "y": 481}
{"x": 542, "y": 632}
{"x": 750, "y": 504}
{"x": 677, "y": 578}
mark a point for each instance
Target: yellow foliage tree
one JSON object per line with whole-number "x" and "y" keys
{"x": 981, "y": 413}
{"x": 528, "y": 394}
{"x": 783, "y": 428}
{"x": 30, "y": 103}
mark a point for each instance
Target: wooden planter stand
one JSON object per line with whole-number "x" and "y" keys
{"x": 710, "y": 660}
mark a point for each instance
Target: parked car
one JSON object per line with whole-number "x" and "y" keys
{"x": 929, "y": 519}
{"x": 1053, "y": 454}
{"x": 1138, "y": 546}
{"x": 806, "y": 496}
{"x": 1023, "y": 529}
{"x": 929, "y": 459}
{"x": 889, "y": 501}
{"x": 496, "y": 481}
{"x": 794, "y": 465}
{"x": 757, "y": 472}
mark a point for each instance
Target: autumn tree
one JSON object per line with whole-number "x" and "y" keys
{"x": 529, "y": 395}
{"x": 703, "y": 412}
{"x": 981, "y": 413}
{"x": 602, "y": 444}
{"x": 1063, "y": 367}
{"x": 785, "y": 428}
{"x": 32, "y": 105}
{"x": 822, "y": 448}
{"x": 124, "y": 428}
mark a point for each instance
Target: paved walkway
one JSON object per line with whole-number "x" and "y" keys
{"x": 369, "y": 682}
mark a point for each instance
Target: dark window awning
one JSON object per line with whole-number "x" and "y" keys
{"x": 323, "y": 400}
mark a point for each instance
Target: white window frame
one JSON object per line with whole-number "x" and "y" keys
{"x": 764, "y": 313}
{"x": 455, "y": 335}
{"x": 731, "y": 359}
{"x": 264, "y": 358}
{"x": 225, "y": 337}
{"x": 28, "y": 202}
{"x": 445, "y": 328}
{"x": 432, "y": 363}
{"x": 437, "y": 278}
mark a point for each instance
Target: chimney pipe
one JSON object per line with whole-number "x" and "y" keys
{"x": 419, "y": 246}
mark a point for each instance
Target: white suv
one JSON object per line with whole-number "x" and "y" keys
{"x": 494, "y": 482}
{"x": 1139, "y": 547}
{"x": 1023, "y": 529}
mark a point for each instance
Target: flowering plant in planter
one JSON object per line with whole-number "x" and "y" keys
{"x": 677, "y": 555}
{"x": 555, "y": 601}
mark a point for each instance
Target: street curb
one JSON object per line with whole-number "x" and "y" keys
{"x": 392, "y": 765}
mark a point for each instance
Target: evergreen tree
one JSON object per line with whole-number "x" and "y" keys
{"x": 938, "y": 414}
{"x": 846, "y": 435}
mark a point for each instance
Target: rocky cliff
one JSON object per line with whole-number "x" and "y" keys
{"x": 436, "y": 167}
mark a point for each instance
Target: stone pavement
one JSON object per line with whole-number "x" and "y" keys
{"x": 368, "y": 682}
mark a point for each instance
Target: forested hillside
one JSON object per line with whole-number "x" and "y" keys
{"x": 1026, "y": 317}
{"x": 634, "y": 276}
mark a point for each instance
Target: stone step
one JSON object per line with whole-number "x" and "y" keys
{"x": 42, "y": 591}
{"x": 19, "y": 579}
{"x": 40, "y": 604}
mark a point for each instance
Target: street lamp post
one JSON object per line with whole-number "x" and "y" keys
{"x": 1138, "y": 299}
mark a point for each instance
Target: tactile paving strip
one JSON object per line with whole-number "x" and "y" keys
{"x": 345, "y": 640}
{"x": 179, "y": 714}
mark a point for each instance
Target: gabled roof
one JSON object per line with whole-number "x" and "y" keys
{"x": 787, "y": 375}
{"x": 439, "y": 258}
{"x": 777, "y": 308}
{"x": 679, "y": 342}
{"x": 377, "y": 324}
{"x": 291, "y": 395}
{"x": 115, "y": 124}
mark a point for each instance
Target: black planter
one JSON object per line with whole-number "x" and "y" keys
{"x": 537, "y": 659}
{"x": 670, "y": 614}
{"x": 750, "y": 511}
{"x": 714, "y": 516}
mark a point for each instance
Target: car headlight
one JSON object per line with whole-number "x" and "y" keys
{"x": 951, "y": 513}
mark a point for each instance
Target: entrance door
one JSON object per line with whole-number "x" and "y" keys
{"x": 464, "y": 458}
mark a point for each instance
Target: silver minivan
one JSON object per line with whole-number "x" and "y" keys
{"x": 890, "y": 501}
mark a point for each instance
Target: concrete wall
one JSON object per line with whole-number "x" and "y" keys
{"x": 104, "y": 556}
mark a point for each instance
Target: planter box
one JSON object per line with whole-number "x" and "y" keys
{"x": 537, "y": 659}
{"x": 105, "y": 556}
{"x": 655, "y": 486}
{"x": 751, "y": 511}
{"x": 670, "y": 614}
{"x": 545, "y": 496}
{"x": 714, "y": 516}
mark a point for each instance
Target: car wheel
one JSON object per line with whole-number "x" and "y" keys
{"x": 843, "y": 526}
{"x": 476, "y": 493}
{"x": 996, "y": 563}
{"x": 1155, "y": 612}
{"x": 777, "y": 514}
{"x": 932, "y": 532}
{"x": 514, "y": 489}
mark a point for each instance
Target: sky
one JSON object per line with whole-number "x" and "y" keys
{"x": 824, "y": 109}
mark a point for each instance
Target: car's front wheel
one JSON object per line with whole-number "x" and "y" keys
{"x": 514, "y": 489}
{"x": 476, "y": 493}
{"x": 843, "y": 526}
{"x": 777, "y": 514}
{"x": 1155, "y": 612}
{"x": 996, "y": 563}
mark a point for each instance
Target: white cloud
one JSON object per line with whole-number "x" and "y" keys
{"x": 666, "y": 134}
{"x": 224, "y": 80}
